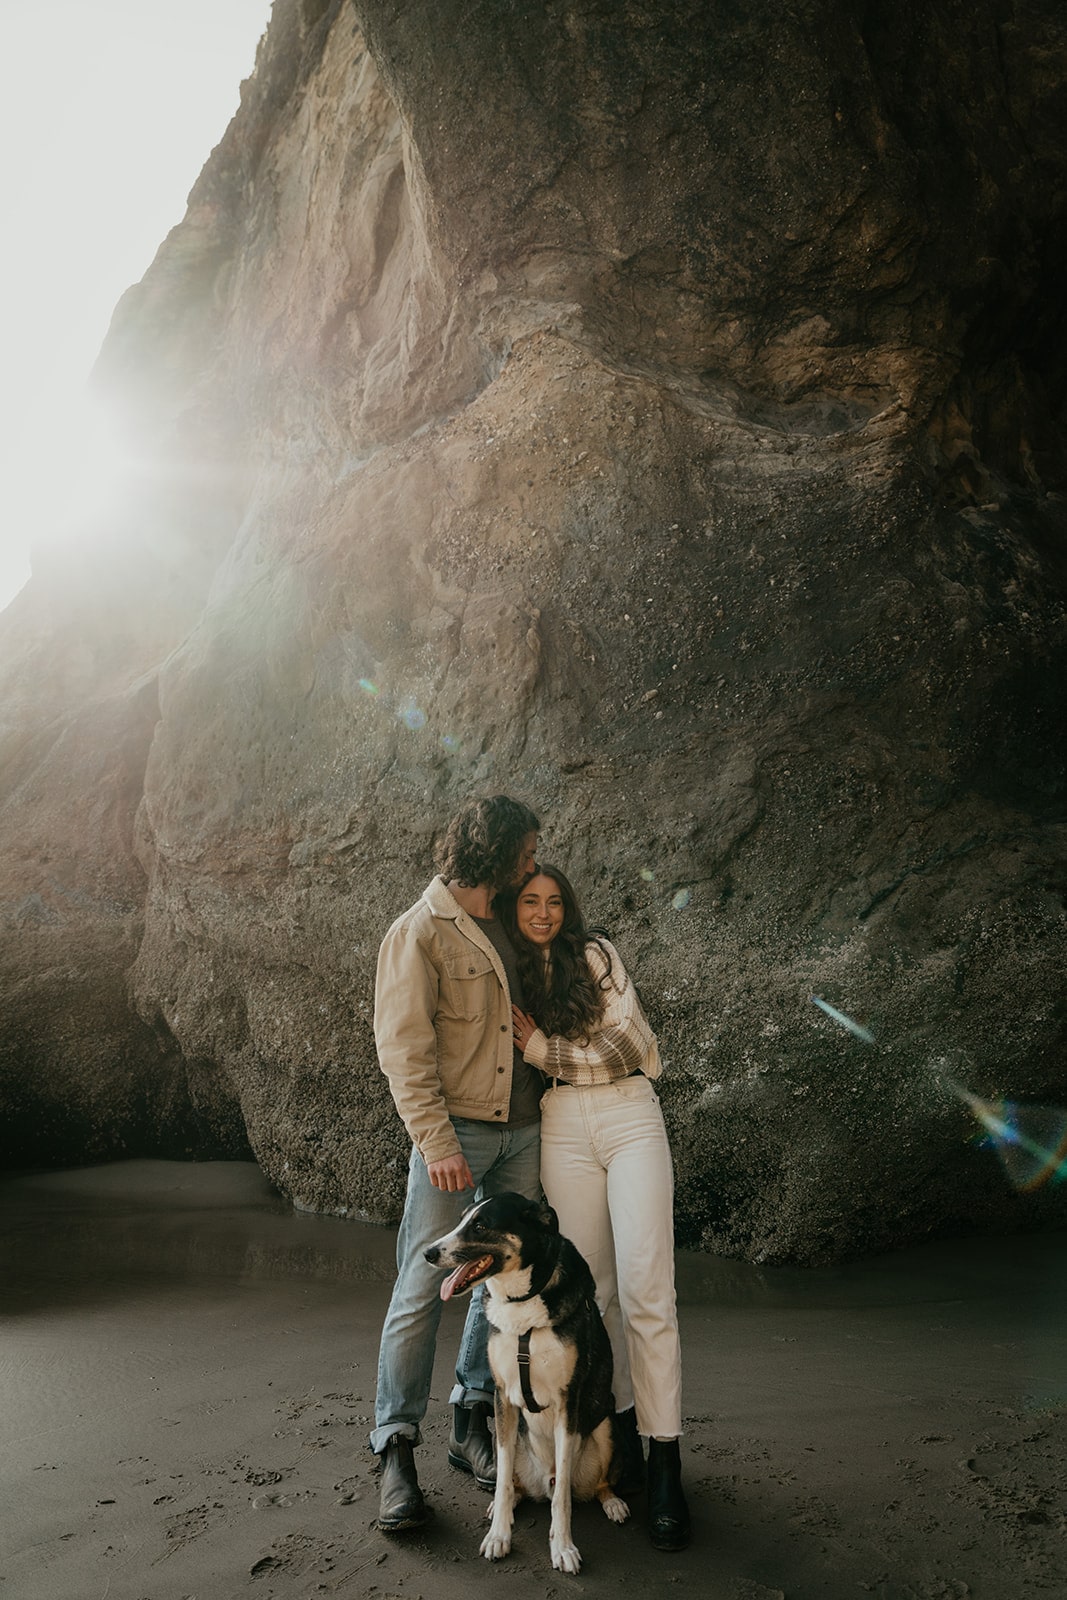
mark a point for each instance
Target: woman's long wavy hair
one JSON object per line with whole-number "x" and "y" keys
{"x": 561, "y": 993}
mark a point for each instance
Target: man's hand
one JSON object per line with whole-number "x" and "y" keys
{"x": 451, "y": 1173}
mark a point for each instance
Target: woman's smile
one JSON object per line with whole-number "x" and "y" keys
{"x": 539, "y": 910}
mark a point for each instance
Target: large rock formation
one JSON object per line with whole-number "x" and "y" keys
{"x": 651, "y": 409}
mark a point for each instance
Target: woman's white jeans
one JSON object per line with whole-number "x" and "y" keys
{"x": 606, "y": 1169}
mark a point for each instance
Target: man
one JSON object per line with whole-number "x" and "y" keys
{"x": 442, "y": 1024}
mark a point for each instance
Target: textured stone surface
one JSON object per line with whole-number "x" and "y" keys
{"x": 652, "y": 410}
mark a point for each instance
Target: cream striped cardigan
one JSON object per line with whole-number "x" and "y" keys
{"x": 623, "y": 1042}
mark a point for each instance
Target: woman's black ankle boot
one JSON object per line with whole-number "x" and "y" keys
{"x": 629, "y": 1456}
{"x": 668, "y": 1514}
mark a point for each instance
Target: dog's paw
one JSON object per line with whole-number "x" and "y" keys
{"x": 615, "y": 1509}
{"x": 565, "y": 1557}
{"x": 495, "y": 1546}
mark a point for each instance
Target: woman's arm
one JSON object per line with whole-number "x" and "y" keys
{"x": 622, "y": 1043}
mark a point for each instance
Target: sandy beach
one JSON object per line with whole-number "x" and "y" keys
{"x": 187, "y": 1372}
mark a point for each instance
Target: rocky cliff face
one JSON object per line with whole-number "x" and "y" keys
{"x": 654, "y": 410}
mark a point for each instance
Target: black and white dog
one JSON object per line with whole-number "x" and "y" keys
{"x": 551, "y": 1361}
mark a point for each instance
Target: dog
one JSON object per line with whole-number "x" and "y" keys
{"x": 551, "y": 1361}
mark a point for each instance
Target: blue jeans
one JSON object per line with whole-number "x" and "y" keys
{"x": 499, "y": 1159}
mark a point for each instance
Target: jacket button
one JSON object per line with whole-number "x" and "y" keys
{"x": 503, "y": 1027}
{"x": 470, "y": 970}
{"x": 498, "y": 1113}
{"x": 500, "y": 1069}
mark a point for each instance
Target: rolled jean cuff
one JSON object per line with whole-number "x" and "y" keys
{"x": 469, "y": 1397}
{"x": 380, "y": 1437}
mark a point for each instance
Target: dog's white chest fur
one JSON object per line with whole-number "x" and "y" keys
{"x": 551, "y": 1361}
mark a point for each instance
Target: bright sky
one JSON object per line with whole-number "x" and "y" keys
{"x": 110, "y": 108}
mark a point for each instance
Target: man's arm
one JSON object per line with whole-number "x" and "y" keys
{"x": 405, "y": 1004}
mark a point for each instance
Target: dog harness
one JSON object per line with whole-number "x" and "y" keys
{"x": 524, "y": 1344}
{"x": 529, "y": 1403}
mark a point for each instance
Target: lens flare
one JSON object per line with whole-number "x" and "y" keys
{"x": 680, "y": 899}
{"x": 1031, "y": 1141}
{"x": 367, "y": 687}
{"x": 450, "y": 743}
{"x": 413, "y": 717}
{"x": 648, "y": 875}
{"x": 864, "y": 1035}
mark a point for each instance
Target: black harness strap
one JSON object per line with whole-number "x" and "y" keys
{"x": 529, "y": 1403}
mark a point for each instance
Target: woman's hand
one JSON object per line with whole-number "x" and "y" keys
{"x": 522, "y": 1027}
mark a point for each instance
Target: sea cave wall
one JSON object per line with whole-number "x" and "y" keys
{"x": 654, "y": 410}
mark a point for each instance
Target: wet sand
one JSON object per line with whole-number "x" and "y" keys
{"x": 187, "y": 1379}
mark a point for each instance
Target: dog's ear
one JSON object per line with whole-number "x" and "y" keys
{"x": 547, "y": 1217}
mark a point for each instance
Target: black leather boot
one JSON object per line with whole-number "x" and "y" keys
{"x": 401, "y": 1505}
{"x": 470, "y": 1444}
{"x": 629, "y": 1456}
{"x": 668, "y": 1514}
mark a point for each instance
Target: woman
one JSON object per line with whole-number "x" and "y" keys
{"x": 606, "y": 1164}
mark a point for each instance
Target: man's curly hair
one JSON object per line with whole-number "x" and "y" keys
{"x": 483, "y": 842}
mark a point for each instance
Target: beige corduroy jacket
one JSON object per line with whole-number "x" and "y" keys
{"x": 442, "y": 1022}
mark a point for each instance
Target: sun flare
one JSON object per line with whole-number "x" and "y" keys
{"x": 68, "y": 483}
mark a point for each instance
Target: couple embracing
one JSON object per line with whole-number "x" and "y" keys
{"x": 519, "y": 1058}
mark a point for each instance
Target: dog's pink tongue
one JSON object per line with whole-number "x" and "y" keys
{"x": 468, "y": 1273}
{"x": 451, "y": 1283}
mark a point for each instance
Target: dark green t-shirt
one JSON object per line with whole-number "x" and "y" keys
{"x": 527, "y": 1084}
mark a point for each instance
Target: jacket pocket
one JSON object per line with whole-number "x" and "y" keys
{"x": 469, "y": 986}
